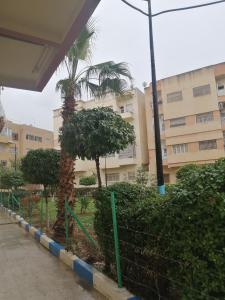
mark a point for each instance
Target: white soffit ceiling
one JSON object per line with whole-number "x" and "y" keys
{"x": 35, "y": 36}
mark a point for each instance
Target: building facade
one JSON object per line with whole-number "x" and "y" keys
{"x": 17, "y": 139}
{"x": 192, "y": 119}
{"x": 121, "y": 166}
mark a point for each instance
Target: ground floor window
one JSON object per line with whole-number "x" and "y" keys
{"x": 131, "y": 176}
{"x": 113, "y": 177}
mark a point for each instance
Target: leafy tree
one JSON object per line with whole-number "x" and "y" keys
{"x": 96, "y": 81}
{"x": 42, "y": 167}
{"x": 96, "y": 132}
{"x": 11, "y": 179}
{"x": 142, "y": 176}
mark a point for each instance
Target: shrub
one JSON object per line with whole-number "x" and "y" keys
{"x": 84, "y": 203}
{"x": 88, "y": 180}
{"x": 85, "y": 191}
{"x": 171, "y": 246}
{"x": 186, "y": 170}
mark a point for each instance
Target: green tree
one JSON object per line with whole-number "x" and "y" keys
{"x": 97, "y": 81}
{"x": 142, "y": 176}
{"x": 96, "y": 132}
{"x": 42, "y": 167}
{"x": 11, "y": 179}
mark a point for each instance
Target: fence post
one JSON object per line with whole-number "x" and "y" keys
{"x": 41, "y": 213}
{"x": 116, "y": 240}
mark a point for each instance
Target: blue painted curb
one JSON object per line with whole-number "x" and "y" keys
{"x": 38, "y": 235}
{"x": 55, "y": 248}
{"x": 83, "y": 270}
{"x": 27, "y": 227}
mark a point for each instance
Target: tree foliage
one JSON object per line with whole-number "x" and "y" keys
{"x": 41, "y": 167}
{"x": 88, "y": 180}
{"x": 11, "y": 179}
{"x": 142, "y": 176}
{"x": 96, "y": 132}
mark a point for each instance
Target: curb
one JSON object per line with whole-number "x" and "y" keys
{"x": 95, "y": 279}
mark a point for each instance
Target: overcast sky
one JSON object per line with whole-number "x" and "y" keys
{"x": 183, "y": 41}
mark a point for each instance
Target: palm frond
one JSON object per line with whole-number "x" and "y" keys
{"x": 115, "y": 86}
{"x": 91, "y": 89}
{"x": 80, "y": 50}
{"x": 108, "y": 69}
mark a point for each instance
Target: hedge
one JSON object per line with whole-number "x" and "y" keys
{"x": 171, "y": 246}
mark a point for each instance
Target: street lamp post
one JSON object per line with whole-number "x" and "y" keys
{"x": 159, "y": 165}
{"x": 158, "y": 148}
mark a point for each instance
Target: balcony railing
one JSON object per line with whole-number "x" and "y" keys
{"x": 129, "y": 152}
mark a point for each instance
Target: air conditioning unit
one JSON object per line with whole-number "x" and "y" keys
{"x": 221, "y": 105}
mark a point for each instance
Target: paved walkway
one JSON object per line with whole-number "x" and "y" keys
{"x": 29, "y": 272}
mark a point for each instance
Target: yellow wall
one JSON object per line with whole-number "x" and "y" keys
{"x": 191, "y": 133}
{"x": 22, "y": 144}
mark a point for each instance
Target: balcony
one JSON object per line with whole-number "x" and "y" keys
{"x": 127, "y": 115}
{"x": 128, "y": 155}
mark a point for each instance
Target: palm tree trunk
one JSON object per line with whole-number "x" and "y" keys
{"x": 66, "y": 179}
{"x": 97, "y": 163}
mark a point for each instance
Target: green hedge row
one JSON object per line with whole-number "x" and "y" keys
{"x": 172, "y": 246}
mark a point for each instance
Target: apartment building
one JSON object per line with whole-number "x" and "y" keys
{"x": 192, "y": 119}
{"x": 121, "y": 166}
{"x": 17, "y": 139}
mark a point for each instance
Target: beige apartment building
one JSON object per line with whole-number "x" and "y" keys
{"x": 192, "y": 119}
{"x": 19, "y": 139}
{"x": 121, "y": 166}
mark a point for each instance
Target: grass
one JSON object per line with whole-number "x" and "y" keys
{"x": 87, "y": 218}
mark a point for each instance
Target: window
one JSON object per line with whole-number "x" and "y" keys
{"x": 3, "y": 163}
{"x": 221, "y": 88}
{"x": 129, "y": 107}
{"x": 180, "y": 148}
{"x": 13, "y": 150}
{"x": 174, "y": 97}
{"x": 129, "y": 152}
{"x": 207, "y": 145}
{"x": 204, "y": 118}
{"x": 177, "y": 122}
{"x": 122, "y": 109}
{"x": 202, "y": 90}
{"x": 6, "y": 132}
{"x": 131, "y": 176}
{"x": 222, "y": 116}
{"x": 164, "y": 153}
{"x": 15, "y": 136}
{"x": 162, "y": 123}
{"x": 113, "y": 177}
{"x": 31, "y": 137}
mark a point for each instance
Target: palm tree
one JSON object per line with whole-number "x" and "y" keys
{"x": 94, "y": 81}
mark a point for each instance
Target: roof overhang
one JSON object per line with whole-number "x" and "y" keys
{"x": 35, "y": 36}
